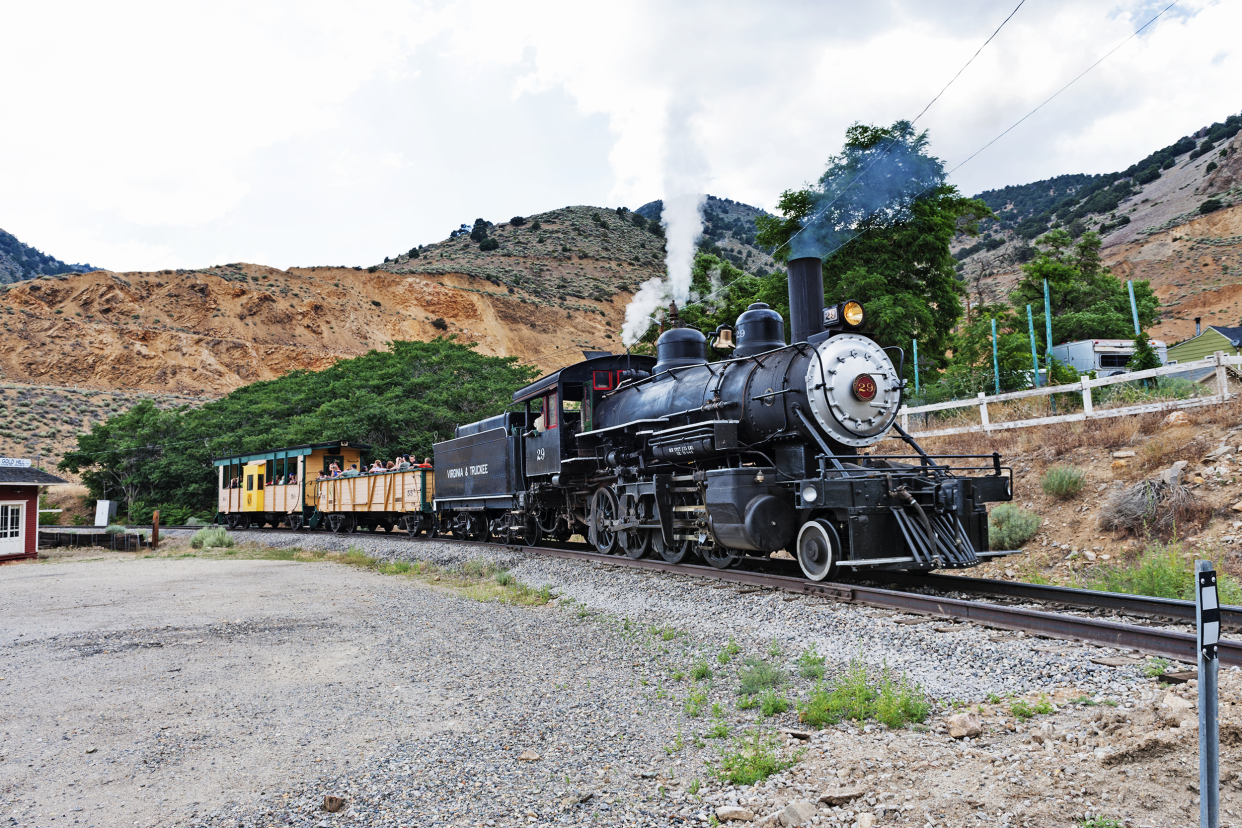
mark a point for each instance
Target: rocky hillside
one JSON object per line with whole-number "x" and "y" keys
{"x": 1174, "y": 218}
{"x": 21, "y": 261}
{"x": 728, "y": 232}
{"x": 554, "y": 285}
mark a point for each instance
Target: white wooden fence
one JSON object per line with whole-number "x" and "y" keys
{"x": 1219, "y": 361}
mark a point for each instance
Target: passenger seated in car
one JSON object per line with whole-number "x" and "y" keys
{"x": 426, "y": 464}
{"x": 377, "y": 466}
{"x": 334, "y": 470}
{"x": 293, "y": 478}
{"x": 352, "y": 471}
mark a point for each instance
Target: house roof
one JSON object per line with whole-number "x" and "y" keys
{"x": 1234, "y": 335}
{"x": 10, "y": 476}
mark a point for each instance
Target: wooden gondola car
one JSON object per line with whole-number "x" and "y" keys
{"x": 276, "y": 488}
{"x": 383, "y": 501}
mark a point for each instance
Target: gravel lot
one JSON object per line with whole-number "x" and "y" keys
{"x": 225, "y": 692}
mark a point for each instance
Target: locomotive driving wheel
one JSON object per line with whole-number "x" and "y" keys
{"x": 675, "y": 554}
{"x": 476, "y": 526}
{"x": 636, "y": 543}
{"x": 604, "y": 510}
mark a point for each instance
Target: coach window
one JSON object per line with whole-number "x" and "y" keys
{"x": 329, "y": 459}
{"x": 280, "y": 471}
{"x": 250, "y": 482}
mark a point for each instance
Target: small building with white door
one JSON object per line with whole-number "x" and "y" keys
{"x": 20, "y": 486}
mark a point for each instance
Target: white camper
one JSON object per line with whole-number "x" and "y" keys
{"x": 1106, "y": 357}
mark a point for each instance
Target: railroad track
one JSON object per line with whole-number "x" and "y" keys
{"x": 1156, "y": 641}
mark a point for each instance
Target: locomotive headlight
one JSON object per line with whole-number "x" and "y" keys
{"x": 853, "y": 313}
{"x": 809, "y": 494}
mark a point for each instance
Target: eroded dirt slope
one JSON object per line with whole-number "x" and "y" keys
{"x": 208, "y": 332}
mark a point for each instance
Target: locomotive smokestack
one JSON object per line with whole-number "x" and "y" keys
{"x": 806, "y": 297}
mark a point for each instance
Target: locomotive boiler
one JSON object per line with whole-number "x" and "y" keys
{"x": 760, "y": 451}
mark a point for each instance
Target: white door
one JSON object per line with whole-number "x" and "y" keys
{"x": 12, "y": 538}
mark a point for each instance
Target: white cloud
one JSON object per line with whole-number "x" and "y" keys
{"x": 155, "y": 135}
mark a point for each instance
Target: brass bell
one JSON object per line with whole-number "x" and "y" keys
{"x": 724, "y": 338}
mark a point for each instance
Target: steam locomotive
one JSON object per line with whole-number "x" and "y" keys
{"x": 686, "y": 458}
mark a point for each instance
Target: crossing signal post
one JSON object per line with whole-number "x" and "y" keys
{"x": 1207, "y": 618}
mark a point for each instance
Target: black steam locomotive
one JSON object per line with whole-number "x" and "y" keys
{"x": 687, "y": 458}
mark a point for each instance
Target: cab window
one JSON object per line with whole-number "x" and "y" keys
{"x": 550, "y": 410}
{"x": 250, "y": 482}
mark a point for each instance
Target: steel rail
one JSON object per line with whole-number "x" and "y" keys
{"x": 1173, "y": 644}
{"x": 1120, "y": 602}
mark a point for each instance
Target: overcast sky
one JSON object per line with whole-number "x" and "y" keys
{"x": 141, "y": 136}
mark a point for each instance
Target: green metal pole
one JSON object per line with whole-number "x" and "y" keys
{"x": 1030, "y": 323}
{"x": 995, "y": 359}
{"x": 916, "y": 367}
{"x": 1133, "y": 306}
{"x": 1048, "y": 344}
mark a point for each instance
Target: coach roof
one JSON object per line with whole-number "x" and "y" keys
{"x": 581, "y": 372}
{"x": 291, "y": 451}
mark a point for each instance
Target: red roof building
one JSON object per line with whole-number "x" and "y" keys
{"x": 19, "y": 511}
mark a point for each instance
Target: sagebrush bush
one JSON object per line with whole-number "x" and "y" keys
{"x": 1063, "y": 481}
{"x": 115, "y": 529}
{"x": 759, "y": 675}
{"x": 1010, "y": 526}
{"x": 211, "y": 536}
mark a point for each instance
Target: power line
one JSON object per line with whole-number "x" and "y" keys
{"x": 1067, "y": 86}
{"x": 890, "y": 144}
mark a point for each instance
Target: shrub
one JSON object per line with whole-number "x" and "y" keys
{"x": 489, "y": 244}
{"x": 211, "y": 536}
{"x": 1211, "y": 165}
{"x": 1010, "y": 526}
{"x": 376, "y": 302}
{"x": 1162, "y": 572}
{"x": 413, "y": 254}
{"x": 771, "y": 703}
{"x": 757, "y": 676}
{"x": 1063, "y": 481}
{"x": 1153, "y": 507}
{"x": 517, "y": 221}
{"x": 754, "y": 757}
{"x": 858, "y": 695}
{"x": 1211, "y": 205}
{"x": 535, "y": 225}
{"x": 439, "y": 324}
{"x": 115, "y": 529}
{"x": 811, "y": 664}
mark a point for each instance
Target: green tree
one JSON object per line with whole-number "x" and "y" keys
{"x": 885, "y": 219}
{"x": 1145, "y": 357}
{"x": 971, "y": 370}
{"x": 399, "y": 401}
{"x": 1088, "y": 302}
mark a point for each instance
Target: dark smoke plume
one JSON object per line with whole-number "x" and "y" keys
{"x": 873, "y": 183}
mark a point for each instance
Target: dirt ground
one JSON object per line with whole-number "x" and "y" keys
{"x": 179, "y": 690}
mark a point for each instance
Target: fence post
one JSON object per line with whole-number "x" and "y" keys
{"x": 905, "y": 418}
{"x": 1222, "y": 378}
{"x": 1086, "y": 396}
{"x": 1030, "y": 323}
{"x": 983, "y": 412}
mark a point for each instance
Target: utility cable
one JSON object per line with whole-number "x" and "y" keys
{"x": 893, "y": 141}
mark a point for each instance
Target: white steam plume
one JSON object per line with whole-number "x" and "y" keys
{"x": 685, "y": 173}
